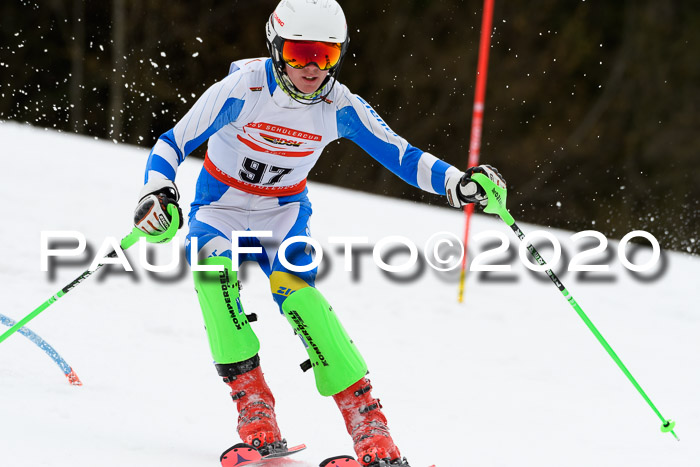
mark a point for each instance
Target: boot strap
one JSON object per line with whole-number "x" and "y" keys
{"x": 231, "y": 370}
{"x": 369, "y": 408}
{"x": 364, "y": 390}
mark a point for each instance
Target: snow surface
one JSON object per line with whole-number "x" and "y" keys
{"x": 511, "y": 377}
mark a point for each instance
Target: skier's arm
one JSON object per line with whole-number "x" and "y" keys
{"x": 358, "y": 122}
{"x": 219, "y": 105}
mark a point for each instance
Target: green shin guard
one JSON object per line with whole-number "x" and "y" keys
{"x": 336, "y": 362}
{"x": 231, "y": 338}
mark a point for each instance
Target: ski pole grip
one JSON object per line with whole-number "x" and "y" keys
{"x": 497, "y": 197}
{"x": 162, "y": 237}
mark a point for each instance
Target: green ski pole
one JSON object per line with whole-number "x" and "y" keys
{"x": 497, "y": 205}
{"x": 125, "y": 243}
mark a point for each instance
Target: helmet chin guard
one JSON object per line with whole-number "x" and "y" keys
{"x": 304, "y": 20}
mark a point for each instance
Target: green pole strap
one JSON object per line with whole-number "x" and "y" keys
{"x": 125, "y": 243}
{"x": 497, "y": 205}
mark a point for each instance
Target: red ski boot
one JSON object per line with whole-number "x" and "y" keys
{"x": 257, "y": 424}
{"x": 366, "y": 424}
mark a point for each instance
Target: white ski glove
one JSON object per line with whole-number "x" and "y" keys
{"x": 151, "y": 214}
{"x": 461, "y": 189}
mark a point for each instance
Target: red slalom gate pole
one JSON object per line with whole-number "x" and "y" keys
{"x": 477, "y": 121}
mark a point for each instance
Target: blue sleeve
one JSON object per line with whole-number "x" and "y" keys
{"x": 359, "y": 123}
{"x": 220, "y": 105}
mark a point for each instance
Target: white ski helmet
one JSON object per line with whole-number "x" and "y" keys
{"x": 311, "y": 21}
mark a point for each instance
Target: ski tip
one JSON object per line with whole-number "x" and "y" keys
{"x": 340, "y": 461}
{"x": 239, "y": 454}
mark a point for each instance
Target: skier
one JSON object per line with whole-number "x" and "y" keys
{"x": 267, "y": 123}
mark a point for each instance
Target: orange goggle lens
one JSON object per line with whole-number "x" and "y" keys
{"x": 299, "y": 54}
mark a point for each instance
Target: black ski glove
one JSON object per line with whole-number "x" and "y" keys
{"x": 151, "y": 213}
{"x": 461, "y": 189}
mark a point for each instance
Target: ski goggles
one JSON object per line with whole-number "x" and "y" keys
{"x": 299, "y": 54}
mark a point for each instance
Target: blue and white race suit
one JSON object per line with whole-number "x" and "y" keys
{"x": 262, "y": 145}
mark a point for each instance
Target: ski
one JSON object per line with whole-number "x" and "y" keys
{"x": 245, "y": 454}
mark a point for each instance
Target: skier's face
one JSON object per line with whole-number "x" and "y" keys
{"x": 307, "y": 79}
